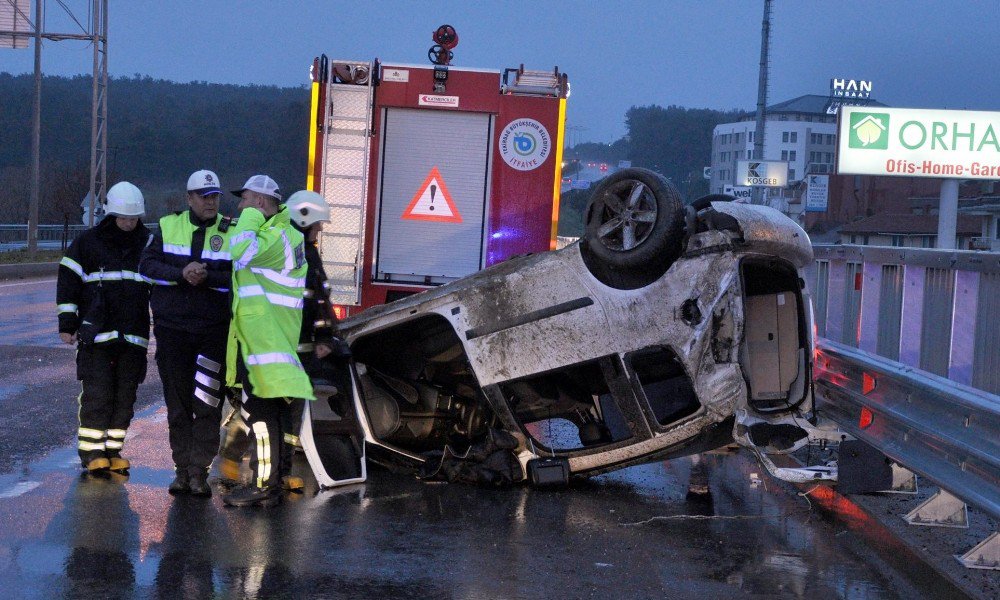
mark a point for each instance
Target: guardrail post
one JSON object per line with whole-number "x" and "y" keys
{"x": 904, "y": 481}
{"x": 940, "y": 510}
{"x": 986, "y": 554}
{"x": 870, "y": 295}
{"x": 963, "y": 326}
{"x": 835, "y": 293}
{"x": 911, "y": 318}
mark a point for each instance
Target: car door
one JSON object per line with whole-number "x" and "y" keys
{"x": 332, "y": 434}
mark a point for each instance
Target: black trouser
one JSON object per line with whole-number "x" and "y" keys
{"x": 268, "y": 421}
{"x": 238, "y": 433}
{"x": 111, "y": 373}
{"x": 192, "y": 368}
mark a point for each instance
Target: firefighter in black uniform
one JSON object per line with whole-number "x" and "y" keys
{"x": 307, "y": 211}
{"x": 189, "y": 265}
{"x": 103, "y": 306}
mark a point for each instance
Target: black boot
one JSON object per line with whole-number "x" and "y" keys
{"x": 199, "y": 484}
{"x": 181, "y": 483}
{"x": 250, "y": 495}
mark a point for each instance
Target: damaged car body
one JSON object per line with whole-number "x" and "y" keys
{"x": 665, "y": 331}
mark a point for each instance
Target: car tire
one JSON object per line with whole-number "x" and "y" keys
{"x": 634, "y": 228}
{"x": 706, "y": 201}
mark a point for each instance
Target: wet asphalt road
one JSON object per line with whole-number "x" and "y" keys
{"x": 632, "y": 534}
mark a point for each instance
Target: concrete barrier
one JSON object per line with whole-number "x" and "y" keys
{"x": 26, "y": 270}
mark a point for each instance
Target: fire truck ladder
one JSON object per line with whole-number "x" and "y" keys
{"x": 345, "y": 176}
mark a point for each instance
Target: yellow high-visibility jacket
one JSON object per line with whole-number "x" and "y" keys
{"x": 269, "y": 270}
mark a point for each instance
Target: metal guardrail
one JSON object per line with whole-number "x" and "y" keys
{"x": 926, "y": 308}
{"x": 942, "y": 430}
{"x": 50, "y": 237}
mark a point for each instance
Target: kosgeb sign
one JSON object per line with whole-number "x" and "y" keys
{"x": 950, "y": 144}
{"x": 761, "y": 173}
{"x": 817, "y": 192}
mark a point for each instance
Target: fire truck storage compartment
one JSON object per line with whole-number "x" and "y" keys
{"x": 421, "y": 249}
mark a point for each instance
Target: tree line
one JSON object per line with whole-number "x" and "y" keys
{"x": 159, "y": 133}
{"x": 674, "y": 141}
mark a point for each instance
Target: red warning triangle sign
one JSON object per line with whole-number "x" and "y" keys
{"x": 433, "y": 202}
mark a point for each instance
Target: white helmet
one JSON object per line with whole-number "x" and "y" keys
{"x": 125, "y": 200}
{"x": 306, "y": 207}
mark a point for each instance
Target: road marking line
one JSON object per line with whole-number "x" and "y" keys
{"x": 21, "y": 487}
{"x": 3, "y": 285}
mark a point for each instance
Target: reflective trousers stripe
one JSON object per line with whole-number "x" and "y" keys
{"x": 292, "y": 439}
{"x": 206, "y": 381}
{"x": 260, "y": 434}
{"x": 94, "y": 434}
{"x": 208, "y": 363}
{"x": 88, "y": 446}
{"x": 114, "y": 444}
{"x": 118, "y": 434}
{"x": 67, "y": 308}
{"x": 205, "y": 397}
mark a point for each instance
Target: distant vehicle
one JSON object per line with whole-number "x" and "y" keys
{"x": 664, "y": 331}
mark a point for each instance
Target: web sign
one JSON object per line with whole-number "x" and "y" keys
{"x": 950, "y": 144}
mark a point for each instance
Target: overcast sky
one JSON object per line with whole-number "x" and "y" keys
{"x": 705, "y": 54}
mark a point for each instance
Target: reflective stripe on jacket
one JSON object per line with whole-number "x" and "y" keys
{"x": 269, "y": 270}
{"x": 182, "y": 239}
{"x": 99, "y": 274}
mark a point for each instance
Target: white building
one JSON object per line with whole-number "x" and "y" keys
{"x": 798, "y": 131}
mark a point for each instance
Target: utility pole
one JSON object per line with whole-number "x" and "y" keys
{"x": 36, "y": 137}
{"x": 758, "y": 139}
{"x": 99, "y": 108}
{"x": 97, "y": 35}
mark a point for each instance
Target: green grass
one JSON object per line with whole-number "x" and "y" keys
{"x": 22, "y": 256}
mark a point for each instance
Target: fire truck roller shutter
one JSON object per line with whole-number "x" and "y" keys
{"x": 446, "y": 242}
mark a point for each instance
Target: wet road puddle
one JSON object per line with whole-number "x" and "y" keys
{"x": 639, "y": 532}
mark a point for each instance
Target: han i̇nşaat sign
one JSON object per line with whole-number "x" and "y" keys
{"x": 949, "y": 144}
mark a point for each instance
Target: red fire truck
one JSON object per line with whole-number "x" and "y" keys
{"x": 431, "y": 172}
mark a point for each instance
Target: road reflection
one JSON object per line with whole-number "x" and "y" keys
{"x": 640, "y": 532}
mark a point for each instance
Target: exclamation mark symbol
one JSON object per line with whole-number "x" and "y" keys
{"x": 434, "y": 189}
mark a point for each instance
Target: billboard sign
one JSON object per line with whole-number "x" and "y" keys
{"x": 850, "y": 88}
{"x": 949, "y": 144}
{"x": 742, "y": 193}
{"x": 817, "y": 193}
{"x": 14, "y": 17}
{"x": 761, "y": 173}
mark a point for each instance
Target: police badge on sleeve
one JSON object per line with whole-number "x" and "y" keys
{"x": 300, "y": 255}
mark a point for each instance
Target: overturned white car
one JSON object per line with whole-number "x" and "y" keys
{"x": 667, "y": 330}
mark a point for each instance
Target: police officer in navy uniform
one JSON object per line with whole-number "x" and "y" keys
{"x": 103, "y": 306}
{"x": 189, "y": 265}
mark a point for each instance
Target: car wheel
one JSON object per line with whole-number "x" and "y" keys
{"x": 634, "y": 228}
